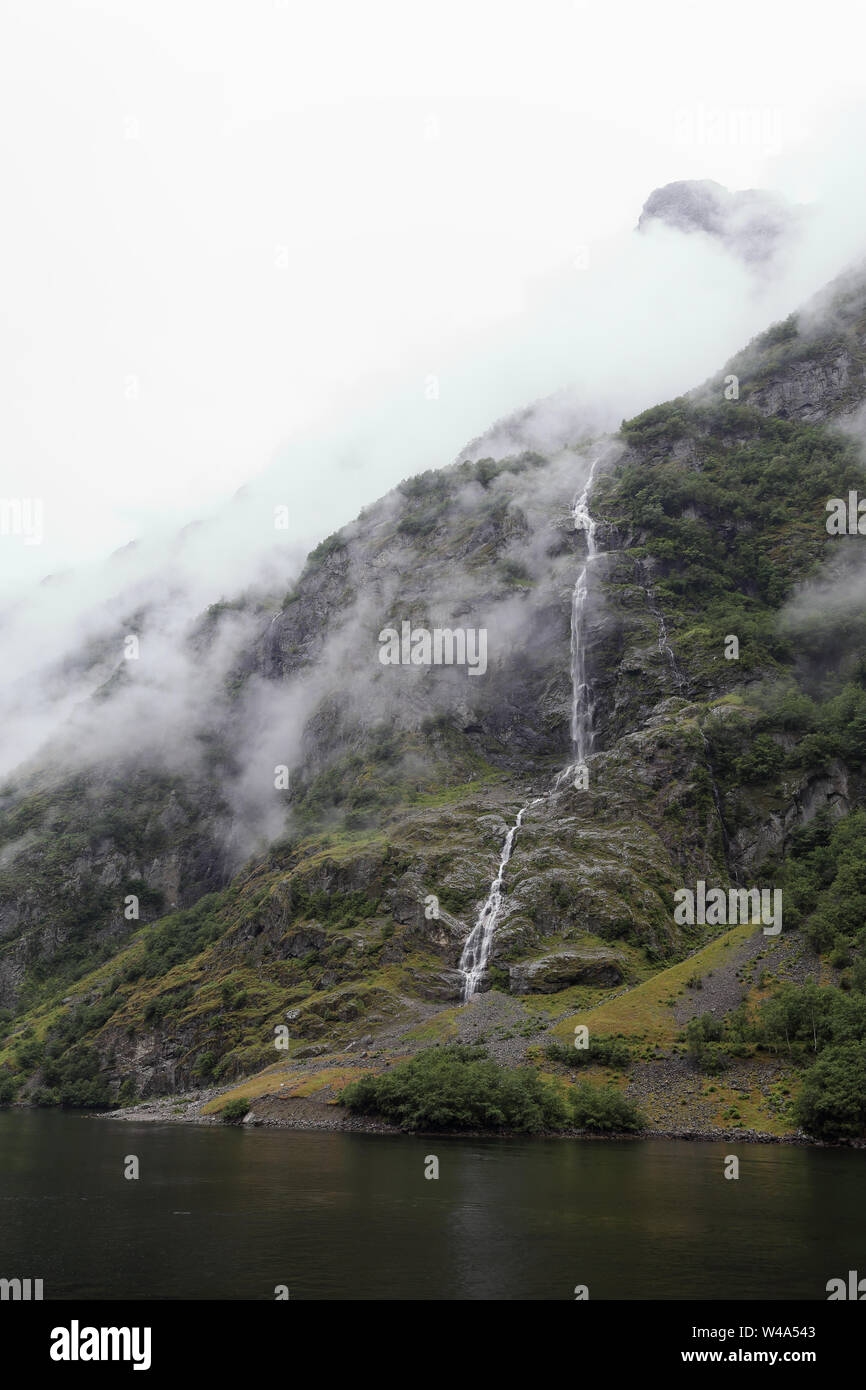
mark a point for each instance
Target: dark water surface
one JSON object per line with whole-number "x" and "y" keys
{"x": 231, "y": 1213}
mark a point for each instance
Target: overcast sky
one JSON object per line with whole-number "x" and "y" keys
{"x": 231, "y": 225}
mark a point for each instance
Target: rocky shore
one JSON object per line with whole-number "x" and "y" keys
{"x": 276, "y": 1112}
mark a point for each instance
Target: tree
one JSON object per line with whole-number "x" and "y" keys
{"x": 832, "y": 1103}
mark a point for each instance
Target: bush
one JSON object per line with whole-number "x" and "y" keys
{"x": 74, "y": 1078}
{"x": 8, "y": 1090}
{"x": 604, "y": 1050}
{"x": 205, "y": 1063}
{"x": 604, "y": 1109}
{"x": 46, "y": 1096}
{"x": 704, "y": 1035}
{"x": 234, "y": 1111}
{"x": 832, "y": 1103}
{"x": 458, "y": 1087}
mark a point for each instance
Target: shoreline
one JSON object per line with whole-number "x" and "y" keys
{"x": 275, "y": 1112}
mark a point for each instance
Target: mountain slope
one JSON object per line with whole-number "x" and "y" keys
{"x": 385, "y": 831}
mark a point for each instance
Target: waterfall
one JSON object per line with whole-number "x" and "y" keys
{"x": 476, "y": 951}
{"x": 664, "y": 646}
{"x": 582, "y": 706}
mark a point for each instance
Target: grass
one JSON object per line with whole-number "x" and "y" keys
{"x": 441, "y": 1028}
{"x": 646, "y": 1010}
{"x": 294, "y": 1085}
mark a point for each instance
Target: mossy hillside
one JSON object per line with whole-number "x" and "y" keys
{"x": 722, "y": 511}
{"x": 722, "y": 514}
{"x": 645, "y": 1013}
{"x": 826, "y": 341}
{"x": 288, "y": 1084}
{"x": 716, "y": 513}
{"x": 311, "y": 931}
{"x": 306, "y": 932}
{"x": 76, "y": 851}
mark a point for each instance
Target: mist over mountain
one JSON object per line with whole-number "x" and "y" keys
{"x": 754, "y": 224}
{"x": 226, "y": 805}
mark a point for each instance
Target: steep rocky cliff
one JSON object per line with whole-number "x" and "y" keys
{"x": 387, "y": 810}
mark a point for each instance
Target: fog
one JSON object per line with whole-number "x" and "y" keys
{"x": 241, "y": 298}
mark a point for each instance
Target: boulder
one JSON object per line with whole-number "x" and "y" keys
{"x": 594, "y": 966}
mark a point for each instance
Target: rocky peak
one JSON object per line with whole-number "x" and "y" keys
{"x": 752, "y": 223}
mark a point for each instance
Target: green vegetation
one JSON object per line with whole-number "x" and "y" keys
{"x": 603, "y": 1050}
{"x": 832, "y": 1103}
{"x": 234, "y": 1110}
{"x": 712, "y": 1042}
{"x": 604, "y": 1110}
{"x": 458, "y": 1088}
{"x": 714, "y": 517}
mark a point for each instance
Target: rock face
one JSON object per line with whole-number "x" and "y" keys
{"x": 753, "y": 224}
{"x": 552, "y": 973}
{"x": 407, "y": 778}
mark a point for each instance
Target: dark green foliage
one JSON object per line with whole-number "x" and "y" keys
{"x": 807, "y": 1018}
{"x": 205, "y": 1064}
{"x": 703, "y": 1035}
{"x": 168, "y": 1004}
{"x": 763, "y": 761}
{"x": 178, "y": 937}
{"x": 127, "y": 1093}
{"x": 828, "y": 1025}
{"x": 430, "y": 491}
{"x": 499, "y": 978}
{"x": 825, "y": 882}
{"x": 458, "y": 1088}
{"x": 75, "y": 1079}
{"x": 331, "y": 545}
{"x": 44, "y": 1096}
{"x": 832, "y": 1103}
{"x": 605, "y": 1110}
{"x": 8, "y": 1090}
{"x": 604, "y": 1050}
{"x": 731, "y": 522}
{"x": 87, "y": 822}
{"x": 234, "y": 1111}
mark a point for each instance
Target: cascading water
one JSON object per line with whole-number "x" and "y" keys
{"x": 476, "y": 952}
{"x": 582, "y": 708}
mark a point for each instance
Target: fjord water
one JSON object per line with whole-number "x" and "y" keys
{"x": 228, "y": 1213}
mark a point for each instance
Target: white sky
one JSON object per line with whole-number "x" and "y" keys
{"x": 225, "y": 222}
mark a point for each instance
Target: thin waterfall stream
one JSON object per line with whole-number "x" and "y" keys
{"x": 476, "y": 951}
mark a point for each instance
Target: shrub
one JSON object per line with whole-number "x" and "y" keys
{"x": 234, "y": 1111}
{"x": 46, "y": 1096}
{"x": 603, "y": 1049}
{"x": 604, "y": 1109}
{"x": 205, "y": 1064}
{"x": 704, "y": 1035}
{"x": 832, "y": 1103}
{"x": 458, "y": 1087}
